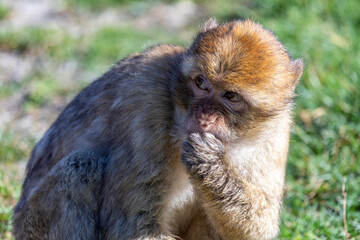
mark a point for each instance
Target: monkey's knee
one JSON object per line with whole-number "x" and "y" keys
{"x": 82, "y": 167}
{"x": 77, "y": 177}
{"x": 64, "y": 204}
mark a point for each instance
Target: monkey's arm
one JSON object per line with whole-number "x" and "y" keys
{"x": 65, "y": 203}
{"x": 236, "y": 208}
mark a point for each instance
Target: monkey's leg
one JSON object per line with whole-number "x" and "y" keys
{"x": 65, "y": 203}
{"x": 132, "y": 197}
{"x": 236, "y": 208}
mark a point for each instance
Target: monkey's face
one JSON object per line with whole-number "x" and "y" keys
{"x": 239, "y": 76}
{"x": 212, "y": 108}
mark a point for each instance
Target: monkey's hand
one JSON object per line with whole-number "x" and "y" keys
{"x": 202, "y": 153}
{"x": 226, "y": 193}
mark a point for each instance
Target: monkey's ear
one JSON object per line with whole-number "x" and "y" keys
{"x": 297, "y": 70}
{"x": 209, "y": 24}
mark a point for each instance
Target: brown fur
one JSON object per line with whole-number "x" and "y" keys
{"x": 163, "y": 179}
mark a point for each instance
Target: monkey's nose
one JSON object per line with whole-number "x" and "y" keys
{"x": 207, "y": 121}
{"x": 203, "y": 123}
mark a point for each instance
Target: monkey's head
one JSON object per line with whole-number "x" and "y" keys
{"x": 238, "y": 76}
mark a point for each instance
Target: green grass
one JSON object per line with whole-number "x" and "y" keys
{"x": 96, "y": 5}
{"x": 4, "y": 11}
{"x": 324, "y": 154}
{"x": 11, "y": 147}
{"x": 111, "y": 44}
{"x": 10, "y": 188}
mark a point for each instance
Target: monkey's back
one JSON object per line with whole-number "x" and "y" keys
{"x": 127, "y": 108}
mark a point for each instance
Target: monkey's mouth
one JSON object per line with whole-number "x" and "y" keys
{"x": 206, "y": 123}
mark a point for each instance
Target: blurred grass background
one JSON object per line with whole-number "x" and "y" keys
{"x": 50, "y": 50}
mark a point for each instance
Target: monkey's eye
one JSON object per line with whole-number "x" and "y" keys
{"x": 233, "y": 97}
{"x": 201, "y": 82}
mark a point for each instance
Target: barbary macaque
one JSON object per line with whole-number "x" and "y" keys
{"x": 171, "y": 143}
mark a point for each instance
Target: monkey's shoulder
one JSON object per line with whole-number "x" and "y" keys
{"x": 161, "y": 50}
{"x": 137, "y": 75}
{"x": 154, "y": 60}
{"x": 151, "y": 67}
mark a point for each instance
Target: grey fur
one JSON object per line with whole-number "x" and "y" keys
{"x": 124, "y": 118}
{"x": 65, "y": 203}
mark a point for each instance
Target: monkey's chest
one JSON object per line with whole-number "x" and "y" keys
{"x": 179, "y": 203}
